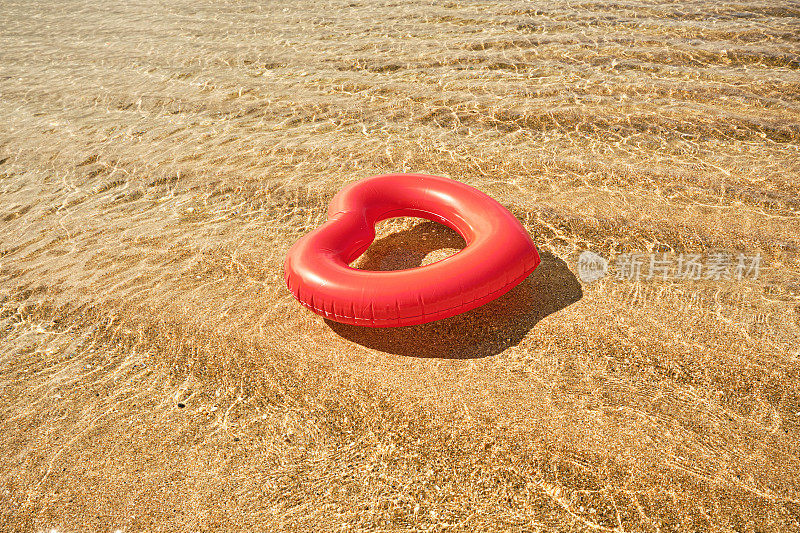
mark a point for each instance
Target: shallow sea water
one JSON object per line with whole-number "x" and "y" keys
{"x": 157, "y": 159}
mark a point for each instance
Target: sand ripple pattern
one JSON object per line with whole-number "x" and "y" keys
{"x": 157, "y": 159}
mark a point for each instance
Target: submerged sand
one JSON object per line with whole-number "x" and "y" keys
{"x": 157, "y": 159}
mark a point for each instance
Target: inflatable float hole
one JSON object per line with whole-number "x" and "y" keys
{"x": 408, "y": 242}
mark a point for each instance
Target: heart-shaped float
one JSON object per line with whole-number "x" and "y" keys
{"x": 499, "y": 254}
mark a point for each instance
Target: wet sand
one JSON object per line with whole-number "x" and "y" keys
{"x": 157, "y": 159}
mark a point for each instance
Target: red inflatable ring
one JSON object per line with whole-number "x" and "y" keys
{"x": 498, "y": 256}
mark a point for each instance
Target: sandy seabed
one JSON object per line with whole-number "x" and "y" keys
{"x": 158, "y": 158}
